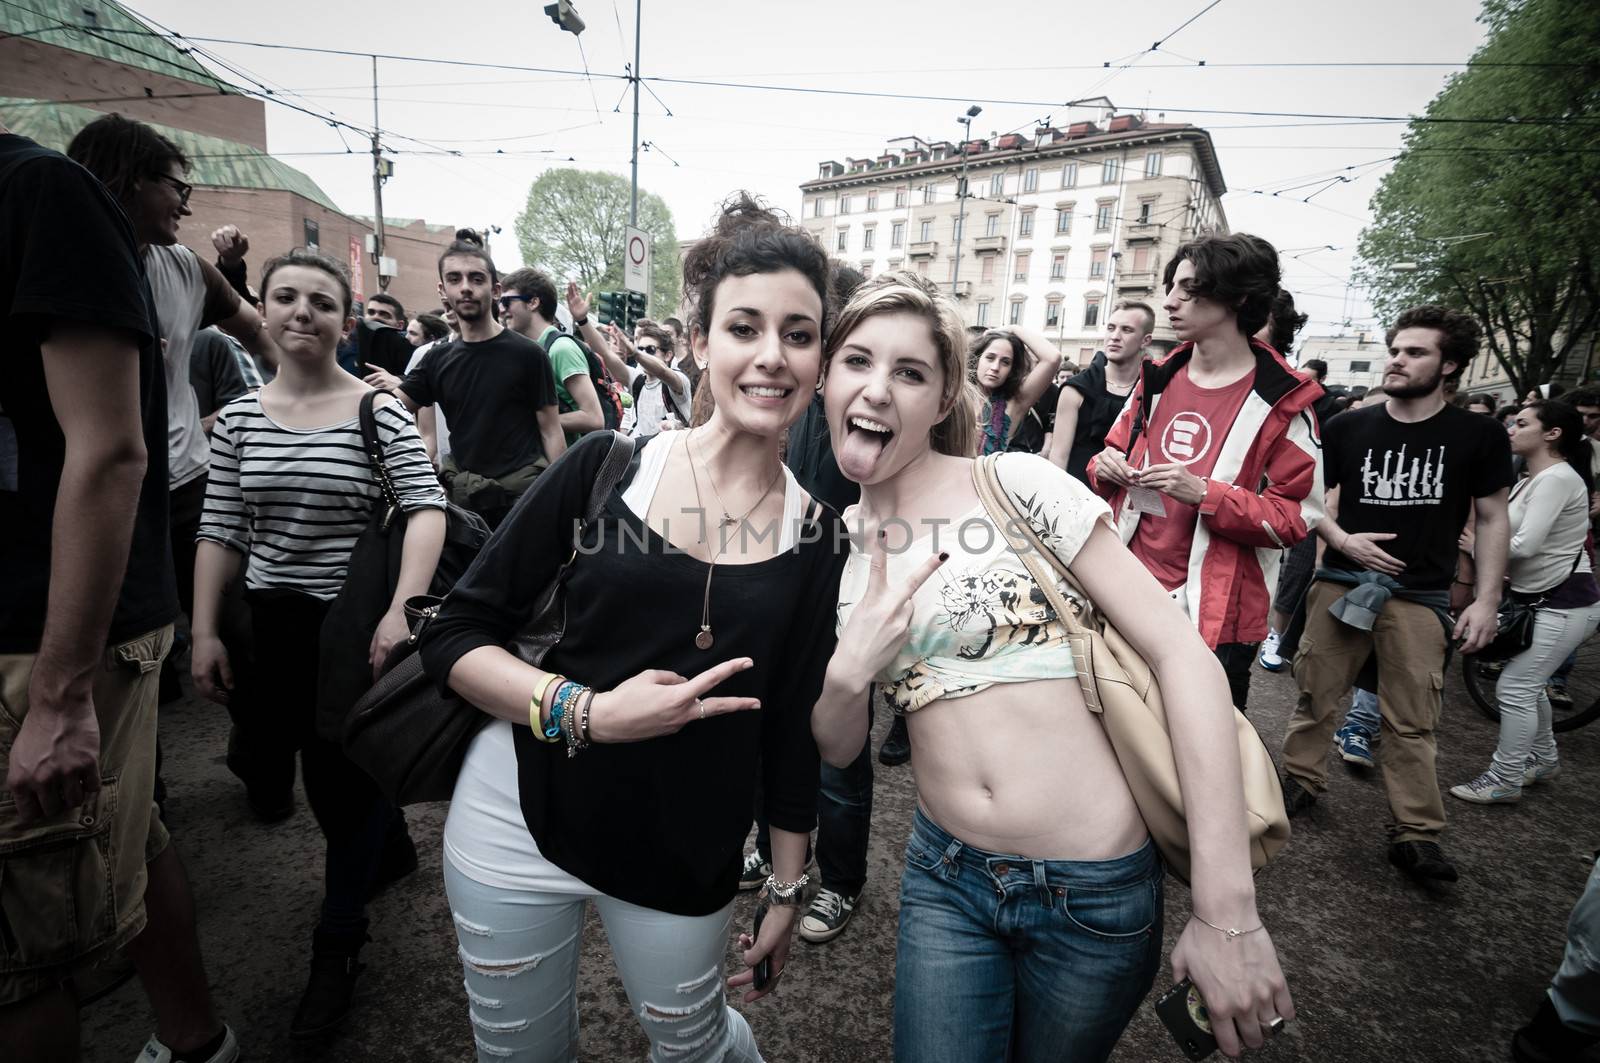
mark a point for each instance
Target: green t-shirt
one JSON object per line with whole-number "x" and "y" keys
{"x": 566, "y": 361}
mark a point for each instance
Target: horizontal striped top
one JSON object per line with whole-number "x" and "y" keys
{"x": 294, "y": 500}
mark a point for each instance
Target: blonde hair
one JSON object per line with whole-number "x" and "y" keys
{"x": 907, "y": 293}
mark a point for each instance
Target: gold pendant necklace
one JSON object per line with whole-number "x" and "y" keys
{"x": 704, "y": 639}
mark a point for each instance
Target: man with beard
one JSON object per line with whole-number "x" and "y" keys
{"x": 1090, "y": 400}
{"x": 1401, "y": 477}
{"x": 495, "y": 387}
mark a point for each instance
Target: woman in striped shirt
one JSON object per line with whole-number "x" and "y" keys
{"x": 290, "y": 491}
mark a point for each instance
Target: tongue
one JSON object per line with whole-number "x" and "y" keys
{"x": 858, "y": 456}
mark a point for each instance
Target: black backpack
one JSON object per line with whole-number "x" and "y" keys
{"x": 605, "y": 386}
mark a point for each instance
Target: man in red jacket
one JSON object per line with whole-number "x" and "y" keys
{"x": 1214, "y": 467}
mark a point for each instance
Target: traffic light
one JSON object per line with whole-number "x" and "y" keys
{"x": 636, "y": 307}
{"x": 613, "y": 309}
{"x": 563, "y": 14}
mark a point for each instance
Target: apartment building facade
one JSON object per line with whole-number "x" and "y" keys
{"x": 1058, "y": 226}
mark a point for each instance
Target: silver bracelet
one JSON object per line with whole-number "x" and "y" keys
{"x": 781, "y": 893}
{"x": 1227, "y": 931}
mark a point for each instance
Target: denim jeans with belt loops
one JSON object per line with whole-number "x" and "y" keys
{"x": 1010, "y": 958}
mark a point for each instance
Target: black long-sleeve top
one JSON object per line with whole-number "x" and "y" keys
{"x": 659, "y": 823}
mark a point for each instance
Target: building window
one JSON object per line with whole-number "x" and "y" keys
{"x": 1141, "y": 260}
{"x": 866, "y": 238}
{"x": 1108, "y": 171}
{"x": 983, "y": 314}
{"x": 1016, "y": 311}
{"x": 872, "y": 201}
{"x": 1058, "y": 267}
{"x": 1025, "y": 227}
{"x": 816, "y": 207}
{"x": 897, "y": 234}
{"x": 927, "y": 193}
{"x": 894, "y": 264}
{"x": 1052, "y": 314}
{"x": 1097, "y": 263}
{"x": 1102, "y": 218}
{"x": 1064, "y": 221}
{"x": 313, "y": 232}
{"x": 900, "y": 197}
{"x": 991, "y": 225}
{"x": 997, "y": 185}
{"x": 986, "y": 272}
{"x": 1091, "y": 313}
{"x": 1152, "y": 164}
{"x": 844, "y": 204}
{"x": 925, "y": 232}
{"x": 922, "y": 266}
{"x": 1022, "y": 267}
{"x": 1144, "y": 212}
{"x": 844, "y": 239}
{"x": 866, "y": 269}
{"x": 1030, "y": 180}
{"x": 955, "y": 228}
{"x": 1069, "y": 175}
{"x": 1360, "y": 367}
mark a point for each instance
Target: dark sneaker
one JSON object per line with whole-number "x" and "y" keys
{"x": 1296, "y": 798}
{"x": 1422, "y": 861}
{"x": 755, "y": 872}
{"x": 1546, "y": 1039}
{"x": 896, "y": 748}
{"x": 828, "y": 915}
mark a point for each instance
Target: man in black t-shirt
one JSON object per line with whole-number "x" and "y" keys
{"x": 495, "y": 387}
{"x": 87, "y": 604}
{"x": 1401, "y": 478}
{"x": 1089, "y": 402}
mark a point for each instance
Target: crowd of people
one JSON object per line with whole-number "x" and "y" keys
{"x": 187, "y": 462}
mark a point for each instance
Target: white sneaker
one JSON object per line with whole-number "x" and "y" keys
{"x": 1540, "y": 771}
{"x": 1269, "y": 652}
{"x": 1487, "y": 790}
{"x": 156, "y": 1052}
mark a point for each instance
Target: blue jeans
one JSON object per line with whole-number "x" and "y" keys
{"x": 844, "y": 822}
{"x": 1363, "y": 715}
{"x": 1009, "y": 958}
{"x": 1575, "y": 990}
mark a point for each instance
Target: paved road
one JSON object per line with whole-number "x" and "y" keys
{"x": 1379, "y": 970}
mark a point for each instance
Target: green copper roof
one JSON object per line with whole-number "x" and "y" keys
{"x": 114, "y": 34}
{"x": 212, "y": 160}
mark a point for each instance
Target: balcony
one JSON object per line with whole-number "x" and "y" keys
{"x": 1141, "y": 280}
{"x": 960, "y": 289}
{"x": 923, "y": 248}
{"x": 989, "y": 245}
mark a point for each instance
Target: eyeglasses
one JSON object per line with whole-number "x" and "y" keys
{"x": 647, "y": 348}
{"x": 183, "y": 188}
{"x": 507, "y": 300}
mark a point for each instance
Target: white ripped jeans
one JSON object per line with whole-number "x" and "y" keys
{"x": 519, "y": 951}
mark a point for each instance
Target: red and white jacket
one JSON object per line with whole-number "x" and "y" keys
{"x": 1263, "y": 496}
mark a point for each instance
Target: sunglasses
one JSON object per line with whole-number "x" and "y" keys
{"x": 183, "y": 188}
{"x": 647, "y": 348}
{"x": 507, "y": 300}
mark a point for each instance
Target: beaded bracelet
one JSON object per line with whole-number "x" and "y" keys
{"x": 575, "y": 730}
{"x": 536, "y": 704}
{"x": 558, "y": 708}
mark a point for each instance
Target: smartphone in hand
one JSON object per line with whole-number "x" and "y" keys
{"x": 1183, "y": 1011}
{"x": 763, "y": 970}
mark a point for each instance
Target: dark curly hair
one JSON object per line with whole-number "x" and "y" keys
{"x": 122, "y": 152}
{"x": 1286, "y": 323}
{"x": 1459, "y": 334}
{"x": 1021, "y": 361}
{"x": 750, "y": 238}
{"x": 1239, "y": 271}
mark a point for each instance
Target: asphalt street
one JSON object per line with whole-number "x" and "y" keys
{"x": 1379, "y": 970}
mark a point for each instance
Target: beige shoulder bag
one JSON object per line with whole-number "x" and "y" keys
{"x": 1119, "y": 687}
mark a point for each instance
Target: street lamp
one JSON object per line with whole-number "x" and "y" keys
{"x": 961, "y": 195}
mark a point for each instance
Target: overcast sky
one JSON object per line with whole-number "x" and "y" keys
{"x": 724, "y": 138}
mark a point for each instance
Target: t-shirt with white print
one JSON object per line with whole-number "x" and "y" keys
{"x": 1415, "y": 480}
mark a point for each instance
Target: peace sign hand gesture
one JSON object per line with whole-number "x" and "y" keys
{"x": 881, "y": 621}
{"x": 657, "y": 702}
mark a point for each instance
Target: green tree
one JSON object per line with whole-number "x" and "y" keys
{"x": 1496, "y": 196}
{"x": 573, "y": 226}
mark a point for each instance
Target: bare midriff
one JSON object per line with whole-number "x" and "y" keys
{"x": 1024, "y": 769}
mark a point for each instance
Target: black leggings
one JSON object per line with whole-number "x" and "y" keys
{"x": 355, "y": 817}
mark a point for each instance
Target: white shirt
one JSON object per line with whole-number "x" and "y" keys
{"x": 1549, "y": 524}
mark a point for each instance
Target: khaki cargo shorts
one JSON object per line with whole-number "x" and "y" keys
{"x": 72, "y": 887}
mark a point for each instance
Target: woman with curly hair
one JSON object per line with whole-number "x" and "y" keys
{"x": 1012, "y": 368}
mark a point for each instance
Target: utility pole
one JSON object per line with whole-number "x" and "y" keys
{"x": 961, "y": 194}
{"x": 633, "y": 195}
{"x": 377, "y": 185}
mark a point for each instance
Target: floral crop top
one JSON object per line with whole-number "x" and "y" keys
{"x": 980, "y": 620}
